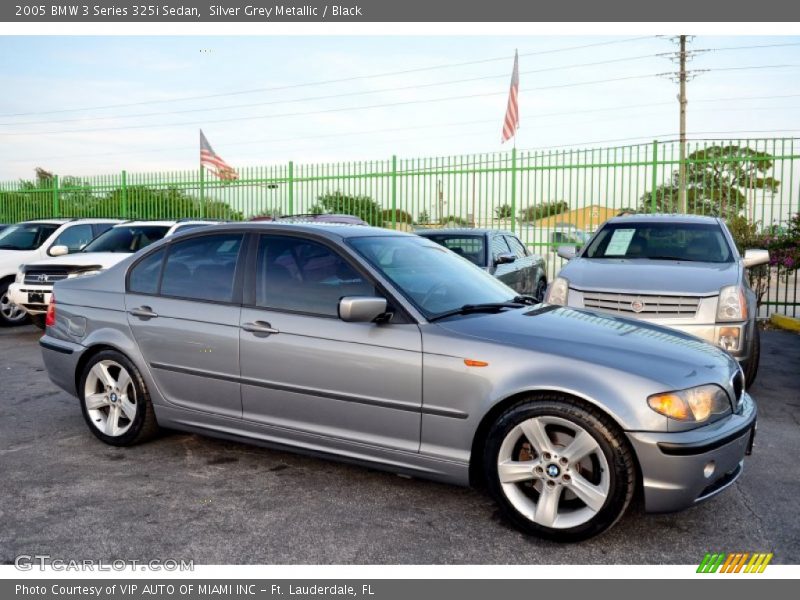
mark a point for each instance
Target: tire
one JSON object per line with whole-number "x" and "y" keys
{"x": 11, "y": 315}
{"x": 106, "y": 384}
{"x": 751, "y": 366}
{"x": 39, "y": 320}
{"x": 544, "y": 491}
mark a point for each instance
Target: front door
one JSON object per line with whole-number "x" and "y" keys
{"x": 305, "y": 370}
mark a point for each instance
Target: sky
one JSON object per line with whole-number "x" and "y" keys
{"x": 96, "y": 105}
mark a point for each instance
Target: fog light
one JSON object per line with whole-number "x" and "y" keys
{"x": 728, "y": 338}
{"x": 709, "y": 469}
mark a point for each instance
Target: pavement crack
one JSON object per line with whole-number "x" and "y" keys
{"x": 748, "y": 504}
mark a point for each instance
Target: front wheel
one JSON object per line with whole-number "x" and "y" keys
{"x": 559, "y": 469}
{"x": 115, "y": 401}
{"x": 10, "y": 313}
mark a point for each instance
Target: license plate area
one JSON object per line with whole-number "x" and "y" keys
{"x": 35, "y": 297}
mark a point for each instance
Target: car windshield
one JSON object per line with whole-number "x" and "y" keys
{"x": 434, "y": 279}
{"x": 127, "y": 238}
{"x": 471, "y": 247}
{"x": 696, "y": 242}
{"x": 26, "y": 236}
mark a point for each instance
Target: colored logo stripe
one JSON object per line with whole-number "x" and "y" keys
{"x": 735, "y": 562}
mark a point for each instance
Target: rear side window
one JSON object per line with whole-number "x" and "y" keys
{"x": 300, "y": 275}
{"x": 144, "y": 277}
{"x": 202, "y": 268}
{"x": 499, "y": 246}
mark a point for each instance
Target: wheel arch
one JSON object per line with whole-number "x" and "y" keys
{"x": 88, "y": 354}
{"x": 476, "y": 471}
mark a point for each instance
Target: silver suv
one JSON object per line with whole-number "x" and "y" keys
{"x": 681, "y": 271}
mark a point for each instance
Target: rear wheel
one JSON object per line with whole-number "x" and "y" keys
{"x": 10, "y": 313}
{"x": 115, "y": 401}
{"x": 559, "y": 469}
{"x": 751, "y": 366}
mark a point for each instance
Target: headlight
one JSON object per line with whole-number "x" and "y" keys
{"x": 731, "y": 305}
{"x": 83, "y": 273}
{"x": 20, "y": 278}
{"x": 698, "y": 404}
{"x": 558, "y": 292}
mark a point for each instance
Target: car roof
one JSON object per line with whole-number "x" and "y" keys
{"x": 328, "y": 230}
{"x": 663, "y": 218}
{"x": 462, "y": 231}
{"x": 154, "y": 223}
{"x": 65, "y": 221}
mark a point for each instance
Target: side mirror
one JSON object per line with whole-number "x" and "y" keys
{"x": 361, "y": 309}
{"x": 58, "y": 251}
{"x": 567, "y": 252}
{"x": 753, "y": 258}
{"x": 505, "y": 258}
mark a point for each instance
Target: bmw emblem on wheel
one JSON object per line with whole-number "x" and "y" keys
{"x": 637, "y": 305}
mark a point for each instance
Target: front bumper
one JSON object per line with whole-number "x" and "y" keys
{"x": 33, "y": 298}
{"x": 681, "y": 469}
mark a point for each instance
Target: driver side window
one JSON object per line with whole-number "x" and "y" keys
{"x": 75, "y": 237}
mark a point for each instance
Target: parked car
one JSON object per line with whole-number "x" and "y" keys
{"x": 34, "y": 280}
{"x": 34, "y": 240}
{"x": 681, "y": 271}
{"x": 314, "y": 218}
{"x": 500, "y": 253}
{"x": 3, "y": 226}
{"x": 382, "y": 348}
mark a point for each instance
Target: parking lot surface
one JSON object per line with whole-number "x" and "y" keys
{"x": 192, "y": 497}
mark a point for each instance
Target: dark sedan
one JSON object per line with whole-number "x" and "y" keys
{"x": 499, "y": 252}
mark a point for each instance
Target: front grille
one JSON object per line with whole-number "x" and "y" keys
{"x": 643, "y": 304}
{"x": 42, "y": 277}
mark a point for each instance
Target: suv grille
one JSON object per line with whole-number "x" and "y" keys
{"x": 642, "y": 304}
{"x": 42, "y": 277}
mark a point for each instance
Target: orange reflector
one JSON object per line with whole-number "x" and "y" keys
{"x": 475, "y": 363}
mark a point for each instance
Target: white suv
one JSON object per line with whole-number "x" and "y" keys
{"x": 34, "y": 240}
{"x": 33, "y": 285}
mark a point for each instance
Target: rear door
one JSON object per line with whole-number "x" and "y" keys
{"x": 507, "y": 273}
{"x": 183, "y": 306}
{"x": 527, "y": 269}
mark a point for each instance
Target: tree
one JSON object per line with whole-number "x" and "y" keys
{"x": 718, "y": 180}
{"x": 543, "y": 210}
{"x": 424, "y": 218}
{"x": 504, "y": 211}
{"x": 362, "y": 207}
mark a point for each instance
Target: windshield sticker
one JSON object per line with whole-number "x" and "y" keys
{"x": 620, "y": 241}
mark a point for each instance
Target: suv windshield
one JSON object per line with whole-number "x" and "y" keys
{"x": 696, "y": 242}
{"x": 127, "y": 238}
{"x": 26, "y": 236}
{"x": 435, "y": 280}
{"x": 471, "y": 247}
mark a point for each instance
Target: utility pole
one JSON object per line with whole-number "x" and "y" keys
{"x": 682, "y": 139}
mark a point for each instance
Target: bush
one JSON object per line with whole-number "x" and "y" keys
{"x": 400, "y": 216}
{"x": 363, "y": 207}
{"x": 543, "y": 210}
{"x": 455, "y": 220}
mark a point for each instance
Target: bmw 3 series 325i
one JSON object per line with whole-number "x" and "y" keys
{"x": 388, "y": 350}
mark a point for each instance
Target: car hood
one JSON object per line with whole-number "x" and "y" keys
{"x": 649, "y": 276}
{"x": 10, "y": 260}
{"x": 82, "y": 259}
{"x": 657, "y": 353}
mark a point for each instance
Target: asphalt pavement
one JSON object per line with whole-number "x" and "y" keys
{"x": 192, "y": 497}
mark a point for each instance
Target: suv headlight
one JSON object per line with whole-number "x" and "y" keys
{"x": 20, "y": 278}
{"x": 699, "y": 404}
{"x": 558, "y": 293}
{"x": 732, "y": 305}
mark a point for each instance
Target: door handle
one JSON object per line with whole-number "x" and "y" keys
{"x": 260, "y": 327}
{"x": 144, "y": 312}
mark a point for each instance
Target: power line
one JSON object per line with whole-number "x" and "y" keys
{"x": 329, "y": 81}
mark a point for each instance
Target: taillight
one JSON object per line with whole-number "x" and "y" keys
{"x": 50, "y": 319}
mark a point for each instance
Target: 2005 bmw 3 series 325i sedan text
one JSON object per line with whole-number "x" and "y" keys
{"x": 389, "y": 350}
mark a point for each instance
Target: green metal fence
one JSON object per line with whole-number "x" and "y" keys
{"x": 548, "y": 197}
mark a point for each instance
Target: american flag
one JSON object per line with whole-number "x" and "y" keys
{"x": 214, "y": 162}
{"x": 511, "y": 122}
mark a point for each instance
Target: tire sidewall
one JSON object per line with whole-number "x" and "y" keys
{"x": 3, "y": 321}
{"x": 142, "y": 397}
{"x": 619, "y": 484}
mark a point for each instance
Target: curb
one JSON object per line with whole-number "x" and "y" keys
{"x": 784, "y": 322}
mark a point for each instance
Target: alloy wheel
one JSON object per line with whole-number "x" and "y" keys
{"x": 10, "y": 311}
{"x": 553, "y": 472}
{"x": 110, "y": 398}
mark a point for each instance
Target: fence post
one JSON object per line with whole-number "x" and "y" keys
{"x": 394, "y": 191}
{"x": 514, "y": 189}
{"x": 56, "y": 208}
{"x": 124, "y": 207}
{"x": 202, "y": 192}
{"x": 290, "y": 181}
{"x": 655, "y": 177}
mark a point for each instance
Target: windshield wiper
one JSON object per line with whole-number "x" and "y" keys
{"x": 667, "y": 257}
{"x": 524, "y": 299}
{"x": 487, "y": 307}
